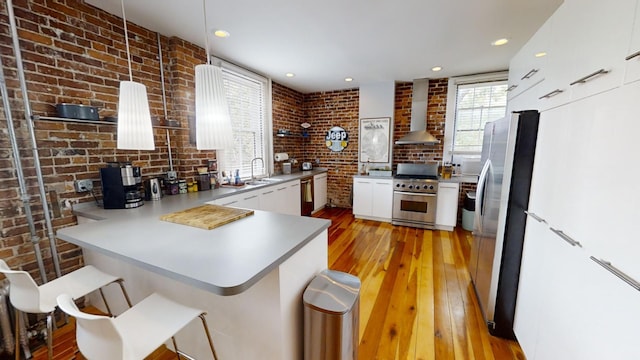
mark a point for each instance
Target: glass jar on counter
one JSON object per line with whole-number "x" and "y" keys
{"x": 182, "y": 186}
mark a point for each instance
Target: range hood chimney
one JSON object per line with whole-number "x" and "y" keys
{"x": 418, "y": 133}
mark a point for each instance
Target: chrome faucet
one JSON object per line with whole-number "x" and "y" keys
{"x": 252, "y": 160}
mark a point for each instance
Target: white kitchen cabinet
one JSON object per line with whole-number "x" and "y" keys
{"x": 372, "y": 198}
{"x": 584, "y": 59}
{"x": 568, "y": 305}
{"x": 554, "y": 90}
{"x": 633, "y": 55}
{"x": 319, "y": 191}
{"x": 595, "y": 49}
{"x": 362, "y": 199}
{"x": 282, "y": 198}
{"x": 447, "y": 205}
{"x": 294, "y": 196}
{"x": 532, "y": 283}
{"x": 247, "y": 200}
{"x": 525, "y": 68}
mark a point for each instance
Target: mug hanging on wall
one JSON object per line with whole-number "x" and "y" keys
{"x": 337, "y": 139}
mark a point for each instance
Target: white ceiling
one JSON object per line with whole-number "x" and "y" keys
{"x": 372, "y": 41}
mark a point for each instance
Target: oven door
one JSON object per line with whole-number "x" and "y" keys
{"x": 414, "y": 209}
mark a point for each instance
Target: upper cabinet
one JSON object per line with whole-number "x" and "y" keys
{"x": 597, "y": 56}
{"x": 632, "y": 58}
{"x": 527, "y": 67}
{"x": 582, "y": 59}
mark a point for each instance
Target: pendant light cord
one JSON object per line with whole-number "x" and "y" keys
{"x": 206, "y": 32}
{"x": 126, "y": 39}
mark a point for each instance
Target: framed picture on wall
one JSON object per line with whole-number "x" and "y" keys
{"x": 374, "y": 140}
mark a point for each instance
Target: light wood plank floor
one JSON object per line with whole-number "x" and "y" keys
{"x": 416, "y": 302}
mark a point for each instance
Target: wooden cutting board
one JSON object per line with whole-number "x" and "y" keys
{"x": 207, "y": 216}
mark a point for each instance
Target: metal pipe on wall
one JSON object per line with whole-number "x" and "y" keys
{"x": 36, "y": 158}
{"x": 164, "y": 102}
{"x": 24, "y": 195}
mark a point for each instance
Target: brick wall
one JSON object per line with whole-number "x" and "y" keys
{"x": 288, "y": 113}
{"x": 324, "y": 110}
{"x": 436, "y": 112}
{"x": 75, "y": 53}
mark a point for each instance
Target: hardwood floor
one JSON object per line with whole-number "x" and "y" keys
{"x": 416, "y": 299}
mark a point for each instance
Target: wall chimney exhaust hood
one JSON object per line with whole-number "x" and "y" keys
{"x": 418, "y": 133}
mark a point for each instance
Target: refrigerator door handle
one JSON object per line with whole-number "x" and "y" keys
{"x": 482, "y": 180}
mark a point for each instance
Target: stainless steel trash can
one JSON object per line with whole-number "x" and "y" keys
{"x": 331, "y": 316}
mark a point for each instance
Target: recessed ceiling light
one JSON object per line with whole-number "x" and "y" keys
{"x": 540, "y": 54}
{"x": 221, "y": 33}
{"x": 500, "y": 42}
{"x": 436, "y": 68}
{"x": 348, "y": 79}
{"x": 289, "y": 75}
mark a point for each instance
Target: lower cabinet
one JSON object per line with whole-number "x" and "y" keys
{"x": 283, "y": 198}
{"x": 447, "y": 206}
{"x": 247, "y": 200}
{"x": 372, "y": 198}
{"x": 571, "y": 304}
{"x": 319, "y": 191}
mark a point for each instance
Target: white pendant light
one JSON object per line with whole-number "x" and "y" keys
{"x": 213, "y": 122}
{"x": 134, "y": 118}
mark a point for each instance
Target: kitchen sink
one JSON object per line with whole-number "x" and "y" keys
{"x": 262, "y": 181}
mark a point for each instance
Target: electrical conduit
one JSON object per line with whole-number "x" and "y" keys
{"x": 34, "y": 145}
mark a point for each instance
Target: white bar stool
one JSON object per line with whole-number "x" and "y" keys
{"x": 26, "y": 296}
{"x": 134, "y": 334}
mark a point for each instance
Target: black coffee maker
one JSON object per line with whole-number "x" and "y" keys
{"x": 121, "y": 186}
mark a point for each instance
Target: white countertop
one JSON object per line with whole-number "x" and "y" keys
{"x": 226, "y": 260}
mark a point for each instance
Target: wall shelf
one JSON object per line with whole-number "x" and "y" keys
{"x": 292, "y": 135}
{"x": 97, "y": 122}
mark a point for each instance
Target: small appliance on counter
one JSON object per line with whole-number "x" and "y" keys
{"x": 306, "y": 166}
{"x": 121, "y": 186}
{"x": 152, "y": 189}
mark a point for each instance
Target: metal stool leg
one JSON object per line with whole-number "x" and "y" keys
{"x": 17, "y": 350}
{"x": 175, "y": 347}
{"x": 50, "y": 335}
{"x": 206, "y": 330}
{"x": 124, "y": 292}
{"x": 104, "y": 300}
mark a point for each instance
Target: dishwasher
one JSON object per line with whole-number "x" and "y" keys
{"x": 306, "y": 195}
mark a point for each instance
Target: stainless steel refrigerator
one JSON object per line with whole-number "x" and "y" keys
{"x": 508, "y": 152}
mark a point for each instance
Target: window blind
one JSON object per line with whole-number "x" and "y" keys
{"x": 246, "y": 100}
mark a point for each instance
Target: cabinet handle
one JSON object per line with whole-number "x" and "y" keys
{"x": 283, "y": 188}
{"x": 615, "y": 271}
{"x": 251, "y": 197}
{"x": 268, "y": 192}
{"x": 566, "y": 237}
{"x": 230, "y": 203}
{"x": 588, "y": 77}
{"x": 536, "y": 217}
{"x": 634, "y": 55}
{"x": 551, "y": 94}
{"x": 511, "y": 88}
{"x": 529, "y": 74}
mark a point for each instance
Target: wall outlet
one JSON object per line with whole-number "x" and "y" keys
{"x": 83, "y": 185}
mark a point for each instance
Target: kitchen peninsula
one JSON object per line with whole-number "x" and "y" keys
{"x": 248, "y": 275}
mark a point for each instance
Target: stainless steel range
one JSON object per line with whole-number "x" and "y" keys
{"x": 415, "y": 189}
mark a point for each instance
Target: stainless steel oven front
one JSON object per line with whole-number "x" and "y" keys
{"x": 414, "y": 209}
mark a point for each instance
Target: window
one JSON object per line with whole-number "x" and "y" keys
{"x": 249, "y": 100}
{"x": 471, "y": 103}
